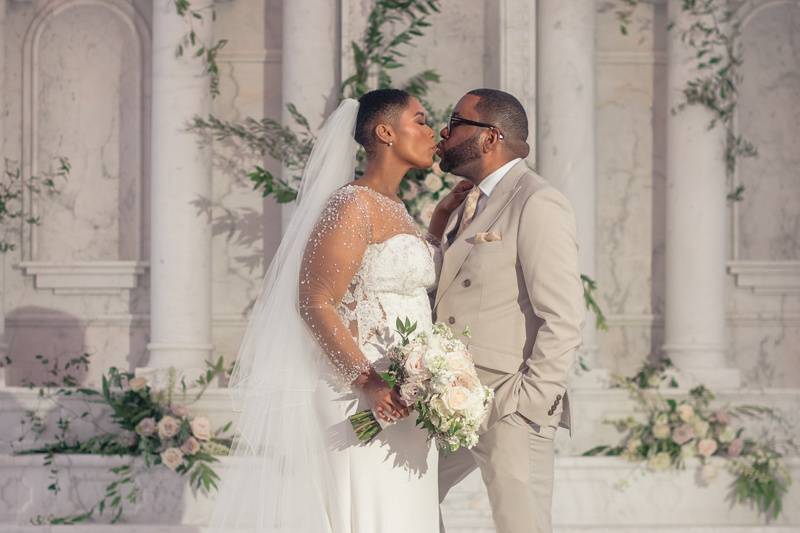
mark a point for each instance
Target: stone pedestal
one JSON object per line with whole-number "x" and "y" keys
{"x": 180, "y": 239}
{"x": 566, "y": 134}
{"x": 695, "y": 336}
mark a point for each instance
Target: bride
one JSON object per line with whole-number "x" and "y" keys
{"x": 352, "y": 261}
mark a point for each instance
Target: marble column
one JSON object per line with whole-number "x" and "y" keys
{"x": 695, "y": 336}
{"x": 3, "y": 92}
{"x": 566, "y": 130}
{"x": 180, "y": 234}
{"x": 310, "y": 62}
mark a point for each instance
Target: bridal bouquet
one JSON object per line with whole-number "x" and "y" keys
{"x": 434, "y": 374}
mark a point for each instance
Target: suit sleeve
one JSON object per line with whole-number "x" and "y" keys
{"x": 548, "y": 255}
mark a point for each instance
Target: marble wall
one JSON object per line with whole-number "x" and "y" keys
{"x": 76, "y": 83}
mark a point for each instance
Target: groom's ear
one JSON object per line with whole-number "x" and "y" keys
{"x": 384, "y": 133}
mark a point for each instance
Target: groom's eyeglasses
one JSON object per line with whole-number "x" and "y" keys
{"x": 456, "y": 121}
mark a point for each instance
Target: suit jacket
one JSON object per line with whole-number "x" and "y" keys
{"x": 521, "y": 296}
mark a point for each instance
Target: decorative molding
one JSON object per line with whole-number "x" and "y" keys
{"x": 266, "y": 55}
{"x": 111, "y": 320}
{"x": 631, "y": 58}
{"x": 737, "y": 319}
{"x": 767, "y": 277}
{"x": 95, "y": 277}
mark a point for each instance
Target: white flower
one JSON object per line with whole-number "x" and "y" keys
{"x": 172, "y": 458}
{"x": 708, "y": 473}
{"x": 661, "y": 431}
{"x": 688, "y": 451}
{"x": 146, "y": 427}
{"x": 663, "y": 418}
{"x": 426, "y": 212}
{"x": 727, "y": 435}
{"x": 190, "y": 446}
{"x": 168, "y": 427}
{"x": 707, "y": 447}
{"x": 433, "y": 182}
{"x": 436, "y": 169}
{"x": 653, "y": 381}
{"x": 632, "y": 446}
{"x": 414, "y": 366}
{"x": 180, "y": 410}
{"x": 137, "y": 384}
{"x": 659, "y": 461}
{"x": 411, "y": 192}
{"x": 686, "y": 412}
{"x": 201, "y": 428}
{"x": 700, "y": 427}
{"x": 410, "y": 392}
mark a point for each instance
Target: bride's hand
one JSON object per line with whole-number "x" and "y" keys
{"x": 455, "y": 198}
{"x": 384, "y": 400}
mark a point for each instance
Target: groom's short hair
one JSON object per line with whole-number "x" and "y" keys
{"x": 504, "y": 111}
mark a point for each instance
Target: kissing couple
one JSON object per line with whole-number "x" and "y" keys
{"x": 499, "y": 258}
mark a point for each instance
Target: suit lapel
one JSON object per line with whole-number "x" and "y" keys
{"x": 456, "y": 253}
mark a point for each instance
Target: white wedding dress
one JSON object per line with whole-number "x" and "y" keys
{"x": 365, "y": 266}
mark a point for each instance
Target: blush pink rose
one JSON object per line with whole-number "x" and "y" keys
{"x": 707, "y": 447}
{"x": 683, "y": 434}
{"x": 146, "y": 427}
{"x": 190, "y": 446}
{"x": 201, "y": 428}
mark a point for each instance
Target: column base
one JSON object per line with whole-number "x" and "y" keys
{"x": 160, "y": 378}
{"x": 175, "y": 361}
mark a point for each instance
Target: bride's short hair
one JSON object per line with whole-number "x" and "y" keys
{"x": 380, "y": 105}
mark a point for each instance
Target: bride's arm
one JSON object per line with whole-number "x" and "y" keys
{"x": 332, "y": 257}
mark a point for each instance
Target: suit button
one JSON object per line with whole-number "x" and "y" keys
{"x": 558, "y": 397}
{"x": 452, "y": 320}
{"x": 466, "y": 283}
{"x": 550, "y": 412}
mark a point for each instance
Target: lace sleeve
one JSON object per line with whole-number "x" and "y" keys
{"x": 332, "y": 257}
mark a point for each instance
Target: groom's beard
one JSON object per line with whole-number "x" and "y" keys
{"x": 461, "y": 154}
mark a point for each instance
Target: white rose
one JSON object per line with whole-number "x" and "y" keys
{"x": 659, "y": 461}
{"x": 137, "y": 384}
{"x": 436, "y": 169}
{"x": 633, "y": 446}
{"x": 426, "y": 212}
{"x": 410, "y": 392}
{"x": 411, "y": 192}
{"x": 663, "y": 418}
{"x": 456, "y": 399}
{"x": 688, "y": 451}
{"x": 172, "y": 458}
{"x": 653, "y": 381}
{"x": 661, "y": 431}
{"x": 414, "y": 366}
{"x": 168, "y": 427}
{"x": 686, "y": 412}
{"x": 201, "y": 428}
{"x": 180, "y": 410}
{"x": 433, "y": 182}
{"x": 708, "y": 473}
{"x": 700, "y": 427}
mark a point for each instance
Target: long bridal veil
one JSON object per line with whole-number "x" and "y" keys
{"x": 277, "y": 478}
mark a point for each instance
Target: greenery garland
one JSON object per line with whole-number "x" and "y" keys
{"x": 667, "y": 433}
{"x": 715, "y": 37}
{"x": 149, "y": 424}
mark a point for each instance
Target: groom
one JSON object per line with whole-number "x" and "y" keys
{"x": 510, "y": 273}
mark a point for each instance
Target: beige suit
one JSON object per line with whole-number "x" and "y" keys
{"x": 522, "y": 298}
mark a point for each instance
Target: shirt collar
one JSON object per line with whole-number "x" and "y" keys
{"x": 488, "y": 183}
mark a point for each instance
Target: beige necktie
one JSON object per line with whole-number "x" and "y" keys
{"x": 470, "y": 206}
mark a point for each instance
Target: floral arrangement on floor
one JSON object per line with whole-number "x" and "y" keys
{"x": 668, "y": 432}
{"x": 154, "y": 425}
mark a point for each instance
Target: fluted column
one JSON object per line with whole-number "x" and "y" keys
{"x": 3, "y": 103}
{"x": 180, "y": 235}
{"x": 310, "y": 64}
{"x": 566, "y": 131}
{"x": 695, "y": 337}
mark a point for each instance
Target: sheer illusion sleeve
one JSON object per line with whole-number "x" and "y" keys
{"x": 332, "y": 257}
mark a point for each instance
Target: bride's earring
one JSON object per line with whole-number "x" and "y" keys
{"x": 390, "y": 144}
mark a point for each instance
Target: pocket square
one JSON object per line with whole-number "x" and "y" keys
{"x": 488, "y": 236}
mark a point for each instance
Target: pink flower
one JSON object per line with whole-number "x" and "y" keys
{"x": 722, "y": 417}
{"x": 172, "y": 458}
{"x": 683, "y": 434}
{"x": 707, "y": 447}
{"x": 735, "y": 447}
{"x": 180, "y": 410}
{"x": 146, "y": 426}
{"x": 168, "y": 427}
{"x": 190, "y": 446}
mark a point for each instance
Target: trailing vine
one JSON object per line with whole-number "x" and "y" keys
{"x": 207, "y": 51}
{"x": 715, "y": 37}
{"x": 14, "y": 185}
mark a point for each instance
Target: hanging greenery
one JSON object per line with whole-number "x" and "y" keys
{"x": 714, "y": 34}
{"x": 207, "y": 51}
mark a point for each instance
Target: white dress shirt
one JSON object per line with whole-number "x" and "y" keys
{"x": 488, "y": 183}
